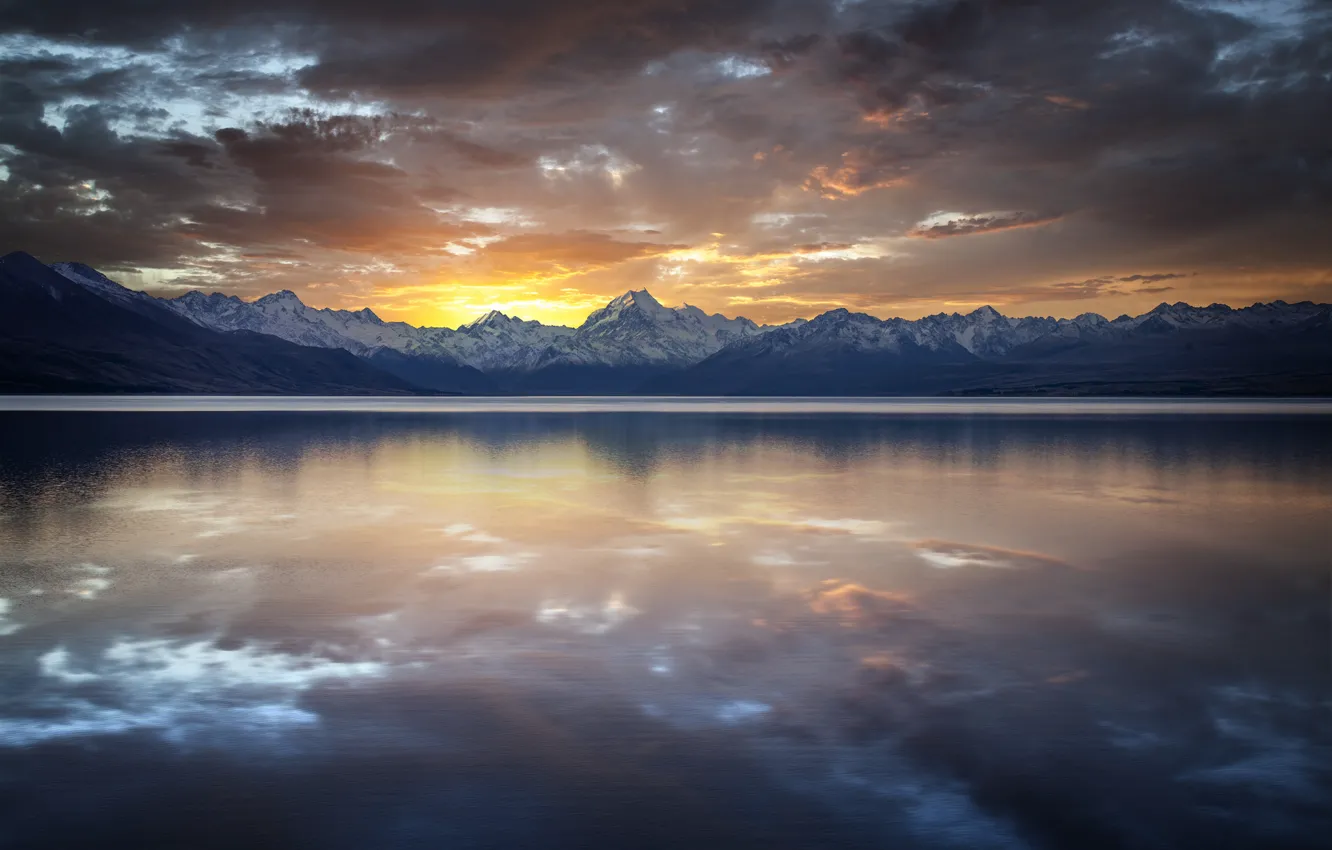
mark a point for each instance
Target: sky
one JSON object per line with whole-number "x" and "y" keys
{"x": 766, "y": 158}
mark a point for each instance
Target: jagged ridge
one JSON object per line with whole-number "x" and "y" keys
{"x": 635, "y": 342}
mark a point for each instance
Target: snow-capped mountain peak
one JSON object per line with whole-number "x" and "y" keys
{"x": 1090, "y": 320}
{"x": 635, "y": 329}
{"x": 635, "y": 303}
{"x": 282, "y": 299}
{"x": 636, "y": 298}
{"x": 499, "y": 342}
{"x": 490, "y": 319}
{"x": 283, "y": 314}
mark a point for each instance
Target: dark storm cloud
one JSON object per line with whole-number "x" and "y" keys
{"x": 60, "y": 180}
{"x": 491, "y": 48}
{"x": 401, "y": 46}
{"x": 1146, "y": 113}
{"x": 316, "y": 180}
{"x": 308, "y": 181}
{"x": 1141, "y": 131}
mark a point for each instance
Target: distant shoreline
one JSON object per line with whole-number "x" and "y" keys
{"x": 897, "y": 406}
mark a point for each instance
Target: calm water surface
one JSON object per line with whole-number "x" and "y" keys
{"x": 618, "y": 624}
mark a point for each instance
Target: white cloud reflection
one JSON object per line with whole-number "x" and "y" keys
{"x": 177, "y": 688}
{"x": 587, "y": 619}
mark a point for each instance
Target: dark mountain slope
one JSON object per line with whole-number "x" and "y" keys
{"x": 439, "y": 372}
{"x": 837, "y": 353}
{"x": 58, "y": 336}
{"x": 69, "y": 328}
{"x": 1175, "y": 349}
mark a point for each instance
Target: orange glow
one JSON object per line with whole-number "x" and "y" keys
{"x": 769, "y": 284}
{"x": 857, "y": 175}
{"x": 856, "y": 605}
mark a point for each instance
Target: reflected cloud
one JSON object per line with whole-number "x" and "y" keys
{"x": 640, "y": 551}
{"x": 55, "y": 664}
{"x": 586, "y": 619}
{"x": 463, "y": 531}
{"x": 856, "y": 527}
{"x": 177, "y": 689}
{"x": 7, "y": 627}
{"x": 220, "y": 526}
{"x": 855, "y": 604}
{"x": 91, "y": 586}
{"x": 815, "y": 607}
{"x": 1260, "y": 755}
{"x": 945, "y": 554}
{"x": 739, "y": 711}
{"x": 782, "y": 558}
{"x": 486, "y": 563}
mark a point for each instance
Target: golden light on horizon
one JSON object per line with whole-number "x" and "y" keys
{"x": 765, "y": 275}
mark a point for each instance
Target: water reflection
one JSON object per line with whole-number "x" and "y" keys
{"x": 637, "y": 629}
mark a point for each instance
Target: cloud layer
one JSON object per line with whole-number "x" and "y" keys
{"x": 436, "y": 160}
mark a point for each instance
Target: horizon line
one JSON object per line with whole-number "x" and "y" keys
{"x": 645, "y": 291}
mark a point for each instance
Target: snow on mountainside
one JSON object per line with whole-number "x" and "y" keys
{"x": 987, "y": 335}
{"x": 283, "y": 314}
{"x": 862, "y": 333}
{"x": 494, "y": 342}
{"x": 983, "y": 333}
{"x": 1179, "y": 315}
{"x": 636, "y": 330}
{"x": 69, "y": 329}
{"x": 632, "y": 330}
{"x": 93, "y": 280}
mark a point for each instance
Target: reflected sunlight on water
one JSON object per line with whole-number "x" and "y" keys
{"x": 627, "y": 628}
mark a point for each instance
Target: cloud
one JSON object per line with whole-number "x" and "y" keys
{"x": 945, "y": 225}
{"x": 313, "y": 180}
{"x": 860, "y": 171}
{"x": 1098, "y": 287}
{"x": 558, "y": 253}
{"x": 1150, "y": 278}
{"x": 335, "y": 149}
{"x": 403, "y": 48}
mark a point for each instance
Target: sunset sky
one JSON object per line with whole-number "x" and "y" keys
{"x": 767, "y": 158}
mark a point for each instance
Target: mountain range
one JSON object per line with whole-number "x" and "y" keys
{"x": 68, "y": 328}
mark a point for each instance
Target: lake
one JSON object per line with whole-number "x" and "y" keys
{"x": 634, "y": 623}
